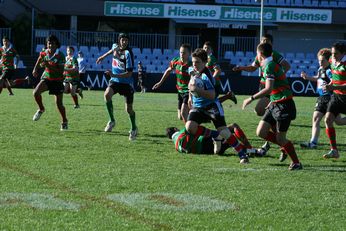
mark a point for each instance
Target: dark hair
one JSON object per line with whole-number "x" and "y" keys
{"x": 325, "y": 52}
{"x": 269, "y": 37}
{"x": 340, "y": 46}
{"x": 200, "y": 53}
{"x": 170, "y": 131}
{"x": 5, "y": 38}
{"x": 123, "y": 35}
{"x": 186, "y": 46}
{"x": 71, "y": 48}
{"x": 53, "y": 39}
{"x": 265, "y": 49}
{"x": 207, "y": 43}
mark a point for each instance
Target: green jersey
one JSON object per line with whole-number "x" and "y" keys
{"x": 7, "y": 58}
{"x": 339, "y": 75}
{"x": 187, "y": 143}
{"x": 54, "y": 65}
{"x": 211, "y": 65}
{"x": 182, "y": 74}
{"x": 71, "y": 62}
{"x": 273, "y": 71}
{"x": 277, "y": 57}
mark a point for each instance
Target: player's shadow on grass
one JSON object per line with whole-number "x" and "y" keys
{"x": 301, "y": 125}
{"x": 318, "y": 168}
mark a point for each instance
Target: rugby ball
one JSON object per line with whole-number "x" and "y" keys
{"x": 198, "y": 83}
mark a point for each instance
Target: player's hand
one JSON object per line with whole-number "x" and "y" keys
{"x": 328, "y": 87}
{"x": 156, "y": 86}
{"x": 34, "y": 73}
{"x": 246, "y": 102}
{"x": 108, "y": 73}
{"x": 303, "y": 75}
{"x": 236, "y": 68}
{"x": 99, "y": 60}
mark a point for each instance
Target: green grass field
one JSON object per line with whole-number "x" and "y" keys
{"x": 85, "y": 179}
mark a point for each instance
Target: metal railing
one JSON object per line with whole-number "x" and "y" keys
{"x": 106, "y": 39}
{"x": 5, "y": 32}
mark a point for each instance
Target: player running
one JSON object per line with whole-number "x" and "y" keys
{"x": 7, "y": 66}
{"x": 52, "y": 60}
{"x": 281, "y": 110}
{"x": 121, "y": 82}
{"x": 337, "y": 103}
{"x": 180, "y": 65}
{"x": 71, "y": 75}
{"x": 205, "y": 105}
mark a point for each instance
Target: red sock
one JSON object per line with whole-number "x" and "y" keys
{"x": 234, "y": 143}
{"x": 332, "y": 137}
{"x": 38, "y": 99}
{"x": 289, "y": 149}
{"x": 62, "y": 113}
{"x": 75, "y": 99}
{"x": 238, "y": 132}
{"x": 271, "y": 137}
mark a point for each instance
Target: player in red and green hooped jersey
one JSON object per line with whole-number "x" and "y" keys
{"x": 281, "y": 110}
{"x": 7, "y": 66}
{"x": 337, "y": 103}
{"x": 180, "y": 65}
{"x": 263, "y": 102}
{"x": 52, "y": 60}
{"x": 204, "y": 142}
{"x": 71, "y": 75}
{"x": 215, "y": 69}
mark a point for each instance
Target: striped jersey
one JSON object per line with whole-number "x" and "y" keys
{"x": 7, "y": 57}
{"x": 122, "y": 62}
{"x": 277, "y": 57}
{"x": 53, "y": 64}
{"x": 186, "y": 143}
{"x": 71, "y": 62}
{"x": 181, "y": 72}
{"x": 324, "y": 78}
{"x": 273, "y": 71}
{"x": 211, "y": 65}
{"x": 339, "y": 75}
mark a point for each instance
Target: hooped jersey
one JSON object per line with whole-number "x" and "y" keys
{"x": 122, "y": 62}
{"x": 339, "y": 75}
{"x": 182, "y": 74}
{"x": 7, "y": 58}
{"x": 71, "y": 62}
{"x": 281, "y": 90}
{"x": 212, "y": 65}
{"x": 53, "y": 64}
{"x": 277, "y": 57}
{"x": 186, "y": 143}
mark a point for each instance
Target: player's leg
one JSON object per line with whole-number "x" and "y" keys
{"x": 73, "y": 88}
{"x": 180, "y": 103}
{"x": 184, "y": 111}
{"x": 315, "y": 131}
{"x": 39, "y": 89}
{"x": 331, "y": 134}
{"x": 62, "y": 111}
{"x": 261, "y": 105}
{"x": 132, "y": 114}
{"x": 67, "y": 89}
{"x": 108, "y": 94}
{"x": 1, "y": 84}
{"x": 7, "y": 77}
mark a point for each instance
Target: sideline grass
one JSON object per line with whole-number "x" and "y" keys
{"x": 84, "y": 166}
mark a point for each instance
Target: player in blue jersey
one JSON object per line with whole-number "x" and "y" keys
{"x": 121, "y": 82}
{"x": 205, "y": 105}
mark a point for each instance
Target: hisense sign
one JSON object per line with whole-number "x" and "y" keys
{"x": 214, "y": 12}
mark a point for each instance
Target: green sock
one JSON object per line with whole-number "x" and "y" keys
{"x": 133, "y": 121}
{"x": 109, "y": 105}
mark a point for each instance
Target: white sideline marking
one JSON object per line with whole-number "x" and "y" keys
{"x": 245, "y": 169}
{"x": 36, "y": 200}
{"x": 171, "y": 201}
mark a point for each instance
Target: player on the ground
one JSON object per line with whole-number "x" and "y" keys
{"x": 52, "y": 60}
{"x": 121, "y": 82}
{"x": 205, "y": 105}
{"x": 215, "y": 69}
{"x": 281, "y": 110}
{"x": 279, "y": 59}
{"x": 7, "y": 66}
{"x": 337, "y": 103}
{"x": 180, "y": 65}
{"x": 71, "y": 75}
{"x": 322, "y": 78}
{"x": 204, "y": 143}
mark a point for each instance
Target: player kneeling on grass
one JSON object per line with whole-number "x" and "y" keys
{"x": 205, "y": 143}
{"x": 71, "y": 75}
{"x": 281, "y": 109}
{"x": 205, "y": 105}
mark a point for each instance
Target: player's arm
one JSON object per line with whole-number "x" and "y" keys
{"x": 164, "y": 77}
{"x": 37, "y": 65}
{"x": 264, "y": 92}
{"x": 73, "y": 68}
{"x": 217, "y": 71}
{"x": 17, "y": 60}
{"x": 306, "y": 77}
{"x": 208, "y": 92}
{"x": 126, "y": 74}
{"x": 285, "y": 65}
{"x": 99, "y": 59}
{"x": 331, "y": 87}
{"x": 249, "y": 68}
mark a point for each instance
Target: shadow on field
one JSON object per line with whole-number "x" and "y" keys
{"x": 301, "y": 125}
{"x": 326, "y": 168}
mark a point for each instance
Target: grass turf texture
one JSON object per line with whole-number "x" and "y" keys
{"x": 84, "y": 166}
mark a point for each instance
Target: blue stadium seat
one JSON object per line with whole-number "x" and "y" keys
{"x": 272, "y": 3}
{"x": 157, "y": 52}
{"x": 146, "y": 51}
{"x": 324, "y": 4}
{"x": 136, "y": 51}
{"x": 239, "y": 54}
{"x": 228, "y": 55}
{"x": 219, "y": 1}
{"x": 300, "y": 56}
{"x": 314, "y": 3}
{"x": 307, "y": 3}
{"x": 249, "y": 54}
{"x": 228, "y": 1}
{"x": 342, "y": 4}
{"x": 333, "y": 4}
{"x": 84, "y": 49}
{"x": 39, "y": 48}
{"x": 298, "y": 3}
